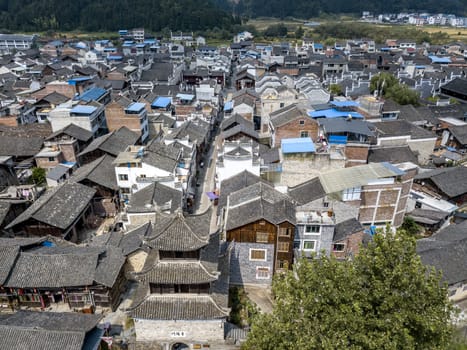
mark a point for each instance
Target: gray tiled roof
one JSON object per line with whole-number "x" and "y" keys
{"x": 15, "y": 338}
{"x": 8, "y": 255}
{"x": 346, "y": 228}
{"x": 393, "y": 155}
{"x": 47, "y": 330}
{"x": 286, "y": 115}
{"x": 307, "y": 191}
{"x": 114, "y": 142}
{"x": 68, "y": 266}
{"x": 155, "y": 194}
{"x": 258, "y": 201}
{"x": 181, "y": 307}
{"x": 19, "y": 146}
{"x": 460, "y": 133}
{"x": 100, "y": 171}
{"x": 447, "y": 251}
{"x": 179, "y": 233}
{"x": 109, "y": 266}
{"x": 4, "y": 209}
{"x": 402, "y": 128}
{"x": 162, "y": 156}
{"x": 179, "y": 273}
{"x": 340, "y": 125}
{"x": 58, "y": 207}
{"x": 52, "y": 320}
{"x": 73, "y": 131}
{"x": 53, "y": 270}
{"x": 235, "y": 183}
{"x": 450, "y": 181}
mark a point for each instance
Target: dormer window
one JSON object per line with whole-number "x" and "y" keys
{"x": 302, "y": 122}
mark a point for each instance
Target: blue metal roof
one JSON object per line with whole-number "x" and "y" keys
{"x": 185, "y": 97}
{"x": 161, "y": 102}
{"x": 141, "y": 46}
{"x": 345, "y": 103}
{"x": 123, "y": 32}
{"x": 75, "y": 80}
{"x": 298, "y": 145}
{"x": 318, "y": 46}
{"x": 92, "y": 94}
{"x": 80, "y": 109}
{"x": 135, "y": 107}
{"x": 115, "y": 57}
{"x": 437, "y": 59}
{"x": 228, "y": 106}
{"x": 334, "y": 113}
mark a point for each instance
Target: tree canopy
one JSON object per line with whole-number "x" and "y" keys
{"x": 383, "y": 299}
{"x": 388, "y": 86}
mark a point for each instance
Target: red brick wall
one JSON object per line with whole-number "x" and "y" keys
{"x": 356, "y": 155}
{"x": 294, "y": 128}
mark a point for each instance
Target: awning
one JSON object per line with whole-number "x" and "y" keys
{"x": 212, "y": 195}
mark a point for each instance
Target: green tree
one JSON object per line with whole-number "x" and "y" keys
{"x": 388, "y": 86}
{"x": 410, "y": 226}
{"x": 335, "y": 89}
{"x": 38, "y": 176}
{"x": 384, "y": 299}
{"x": 299, "y": 32}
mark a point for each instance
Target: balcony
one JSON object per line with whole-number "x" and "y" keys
{"x": 169, "y": 178}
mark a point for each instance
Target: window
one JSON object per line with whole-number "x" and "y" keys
{"x": 51, "y": 159}
{"x": 338, "y": 247}
{"x": 262, "y": 273}
{"x": 124, "y": 190}
{"x": 312, "y": 228}
{"x": 262, "y": 237}
{"x": 281, "y": 105}
{"x": 302, "y": 122}
{"x": 284, "y": 231}
{"x": 418, "y": 205}
{"x": 326, "y": 204}
{"x": 258, "y": 254}
{"x": 351, "y": 194}
{"x": 283, "y": 264}
{"x": 309, "y": 245}
{"x": 143, "y": 176}
{"x": 283, "y": 246}
{"x": 123, "y": 177}
{"x": 296, "y": 244}
{"x": 303, "y": 133}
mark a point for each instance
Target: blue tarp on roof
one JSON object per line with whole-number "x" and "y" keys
{"x": 318, "y": 46}
{"x": 92, "y": 94}
{"x": 334, "y": 113}
{"x": 135, "y": 107}
{"x": 437, "y": 59}
{"x": 298, "y": 145}
{"x": 186, "y": 97}
{"x": 345, "y": 103}
{"x": 228, "y": 106}
{"x": 161, "y": 102}
{"x": 80, "y": 109}
{"x": 337, "y": 140}
{"x": 75, "y": 80}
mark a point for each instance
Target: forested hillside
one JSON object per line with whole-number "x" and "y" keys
{"x": 96, "y": 15}
{"x": 154, "y": 15}
{"x": 314, "y": 8}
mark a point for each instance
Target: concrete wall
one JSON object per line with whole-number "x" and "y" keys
{"x": 168, "y": 332}
{"x": 243, "y": 270}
